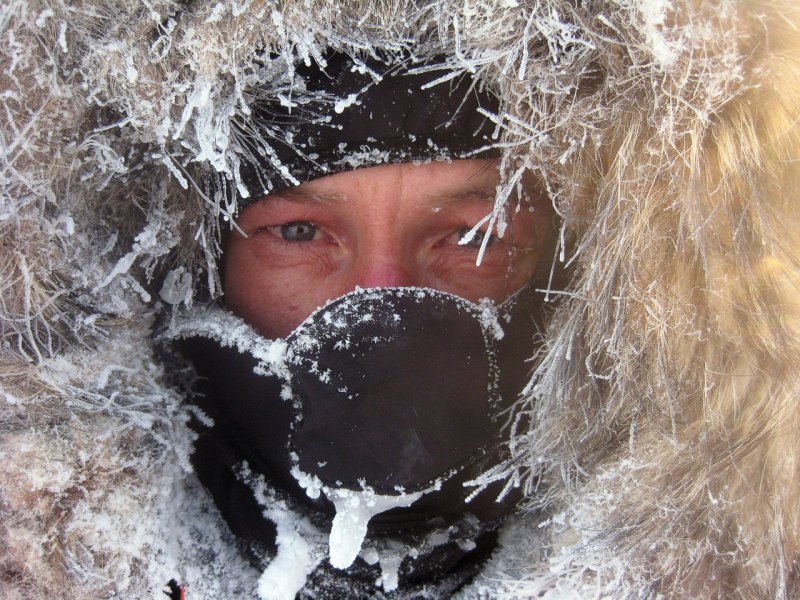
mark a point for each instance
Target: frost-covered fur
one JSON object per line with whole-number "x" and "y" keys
{"x": 664, "y": 439}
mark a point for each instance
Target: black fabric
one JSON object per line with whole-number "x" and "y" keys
{"x": 394, "y": 388}
{"x": 246, "y": 408}
{"x": 393, "y": 118}
{"x": 433, "y": 574}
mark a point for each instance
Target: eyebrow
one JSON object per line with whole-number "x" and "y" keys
{"x": 483, "y": 193}
{"x": 300, "y": 195}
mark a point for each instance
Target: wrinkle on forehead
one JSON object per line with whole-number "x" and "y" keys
{"x": 483, "y": 193}
{"x": 299, "y": 194}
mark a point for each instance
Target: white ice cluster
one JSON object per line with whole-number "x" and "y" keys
{"x": 301, "y": 546}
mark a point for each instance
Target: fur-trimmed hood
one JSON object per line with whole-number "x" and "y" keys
{"x": 663, "y": 449}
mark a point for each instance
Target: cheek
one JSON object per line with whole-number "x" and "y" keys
{"x": 501, "y": 273}
{"x": 457, "y": 273}
{"x": 274, "y": 292}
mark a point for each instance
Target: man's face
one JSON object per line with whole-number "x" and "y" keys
{"x": 386, "y": 226}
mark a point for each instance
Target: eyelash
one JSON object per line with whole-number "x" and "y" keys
{"x": 477, "y": 239}
{"x": 278, "y": 231}
{"x": 302, "y": 225}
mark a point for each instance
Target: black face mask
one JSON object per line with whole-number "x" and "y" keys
{"x": 399, "y": 393}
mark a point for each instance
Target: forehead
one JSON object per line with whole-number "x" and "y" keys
{"x": 434, "y": 181}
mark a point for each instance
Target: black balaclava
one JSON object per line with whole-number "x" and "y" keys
{"x": 378, "y": 415}
{"x": 385, "y": 407}
{"x": 362, "y": 113}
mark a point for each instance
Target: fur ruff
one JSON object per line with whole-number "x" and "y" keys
{"x": 660, "y": 433}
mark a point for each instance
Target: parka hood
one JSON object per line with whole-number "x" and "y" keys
{"x": 658, "y": 440}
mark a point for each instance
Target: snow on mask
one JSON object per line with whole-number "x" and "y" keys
{"x": 397, "y": 388}
{"x": 385, "y": 400}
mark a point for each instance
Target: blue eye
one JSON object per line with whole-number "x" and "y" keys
{"x": 477, "y": 239}
{"x": 298, "y": 231}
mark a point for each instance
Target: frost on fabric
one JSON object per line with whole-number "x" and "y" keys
{"x": 353, "y": 512}
{"x": 347, "y": 311}
{"x": 334, "y": 323}
{"x": 354, "y": 509}
{"x": 300, "y": 545}
{"x": 287, "y": 572}
{"x": 232, "y": 332}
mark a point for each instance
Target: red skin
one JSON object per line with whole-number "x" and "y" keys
{"x": 385, "y": 226}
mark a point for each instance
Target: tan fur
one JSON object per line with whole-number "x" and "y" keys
{"x": 704, "y": 386}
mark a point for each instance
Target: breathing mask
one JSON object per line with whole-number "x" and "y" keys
{"x": 385, "y": 405}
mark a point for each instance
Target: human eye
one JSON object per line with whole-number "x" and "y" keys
{"x": 476, "y": 241}
{"x": 298, "y": 231}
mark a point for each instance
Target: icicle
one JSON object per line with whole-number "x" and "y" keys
{"x": 353, "y": 512}
{"x": 390, "y": 572}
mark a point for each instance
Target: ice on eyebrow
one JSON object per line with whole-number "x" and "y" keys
{"x": 301, "y": 195}
{"x": 483, "y": 194}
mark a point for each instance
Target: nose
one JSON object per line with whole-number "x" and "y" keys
{"x": 382, "y": 259}
{"x": 383, "y": 272}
